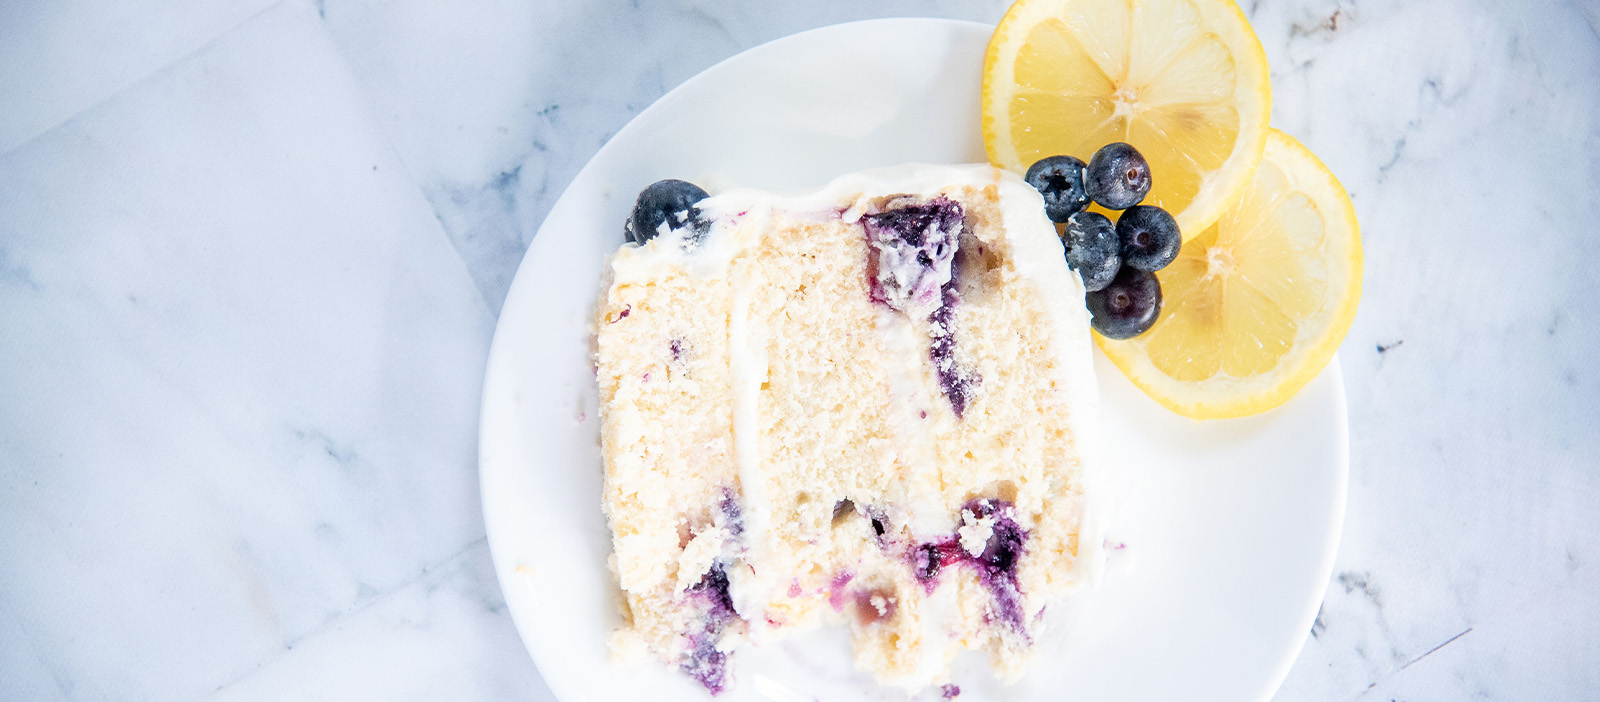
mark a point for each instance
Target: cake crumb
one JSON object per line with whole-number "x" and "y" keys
{"x": 975, "y": 533}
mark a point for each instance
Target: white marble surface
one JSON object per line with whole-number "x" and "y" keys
{"x": 251, "y": 254}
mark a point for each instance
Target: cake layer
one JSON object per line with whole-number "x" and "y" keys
{"x": 871, "y": 404}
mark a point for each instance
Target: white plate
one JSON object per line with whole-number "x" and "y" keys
{"x": 1230, "y": 527}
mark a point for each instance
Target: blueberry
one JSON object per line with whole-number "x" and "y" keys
{"x": 997, "y": 565}
{"x": 1092, "y": 249}
{"x": 1150, "y": 238}
{"x": 1003, "y": 548}
{"x": 714, "y": 584}
{"x": 1126, "y": 307}
{"x": 925, "y": 562}
{"x": 1060, "y": 180}
{"x": 669, "y": 202}
{"x": 1117, "y": 176}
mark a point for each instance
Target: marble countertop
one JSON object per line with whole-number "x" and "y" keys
{"x": 252, "y": 251}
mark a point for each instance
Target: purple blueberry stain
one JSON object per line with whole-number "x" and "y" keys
{"x": 714, "y": 587}
{"x": 626, "y": 310}
{"x": 950, "y": 692}
{"x": 996, "y": 565}
{"x": 956, "y": 381}
{"x": 838, "y": 589}
{"x": 676, "y": 347}
{"x": 704, "y": 662}
{"x": 912, "y": 264}
{"x": 732, "y": 516}
{"x": 912, "y": 249}
{"x": 708, "y": 666}
{"x": 928, "y": 560}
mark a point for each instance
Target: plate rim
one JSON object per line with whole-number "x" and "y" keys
{"x": 1334, "y": 372}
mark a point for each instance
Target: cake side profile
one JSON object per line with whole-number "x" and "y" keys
{"x": 870, "y": 405}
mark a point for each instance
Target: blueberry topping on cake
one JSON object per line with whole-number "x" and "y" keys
{"x": 1059, "y": 179}
{"x": 667, "y": 206}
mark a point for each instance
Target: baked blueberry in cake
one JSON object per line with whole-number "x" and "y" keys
{"x": 868, "y": 406}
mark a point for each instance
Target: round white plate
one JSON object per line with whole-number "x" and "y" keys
{"x": 1229, "y": 527}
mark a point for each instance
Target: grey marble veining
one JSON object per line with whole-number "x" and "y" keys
{"x": 1465, "y": 134}
{"x": 241, "y": 368}
{"x": 251, "y": 253}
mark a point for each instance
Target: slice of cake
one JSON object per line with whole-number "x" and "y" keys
{"x": 871, "y": 405}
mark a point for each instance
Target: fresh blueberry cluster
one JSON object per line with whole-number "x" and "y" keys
{"x": 1117, "y": 262}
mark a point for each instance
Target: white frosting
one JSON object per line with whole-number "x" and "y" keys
{"x": 747, "y": 349}
{"x": 1040, "y": 259}
{"x": 912, "y": 423}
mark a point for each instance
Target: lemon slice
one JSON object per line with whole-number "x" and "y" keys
{"x": 1184, "y": 81}
{"x": 1255, "y": 305}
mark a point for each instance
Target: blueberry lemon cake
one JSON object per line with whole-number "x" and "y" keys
{"x": 869, "y": 406}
